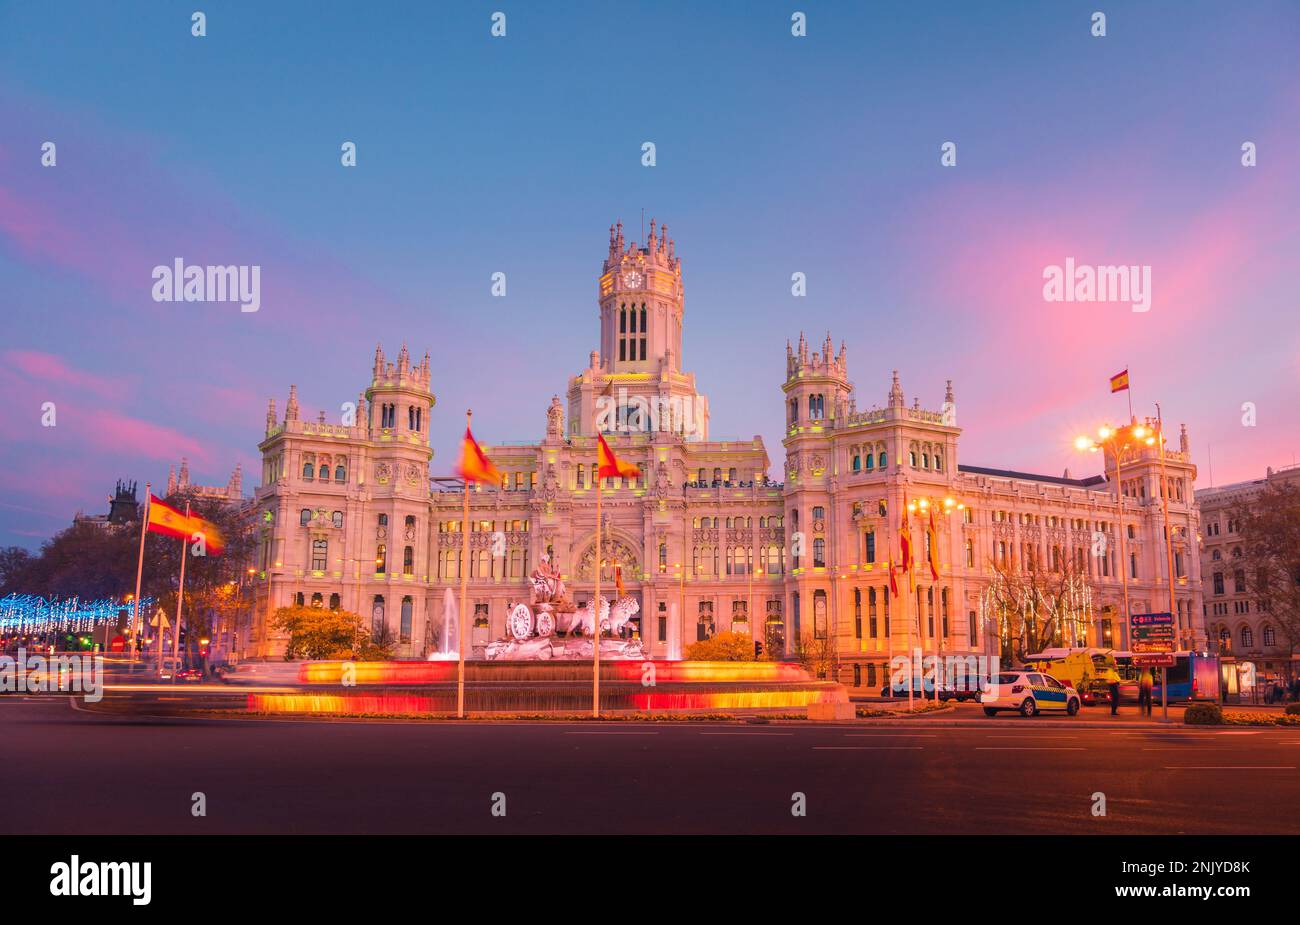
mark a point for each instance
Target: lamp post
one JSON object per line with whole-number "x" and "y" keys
{"x": 1119, "y": 442}
{"x": 926, "y": 505}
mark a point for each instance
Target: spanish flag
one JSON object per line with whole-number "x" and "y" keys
{"x": 1119, "y": 381}
{"x": 893, "y": 578}
{"x": 934, "y": 547}
{"x": 474, "y": 464}
{"x": 165, "y": 519}
{"x": 610, "y": 466}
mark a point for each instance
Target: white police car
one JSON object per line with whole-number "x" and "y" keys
{"x": 1029, "y": 692}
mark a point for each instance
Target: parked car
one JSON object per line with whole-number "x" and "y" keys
{"x": 1028, "y": 693}
{"x": 189, "y": 674}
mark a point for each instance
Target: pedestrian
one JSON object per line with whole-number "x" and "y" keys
{"x": 1145, "y": 682}
{"x": 1114, "y": 697}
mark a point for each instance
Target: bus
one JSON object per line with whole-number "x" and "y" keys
{"x": 1193, "y": 676}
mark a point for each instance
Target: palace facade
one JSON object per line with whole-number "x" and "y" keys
{"x": 705, "y": 540}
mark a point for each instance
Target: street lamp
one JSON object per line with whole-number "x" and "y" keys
{"x": 1119, "y": 442}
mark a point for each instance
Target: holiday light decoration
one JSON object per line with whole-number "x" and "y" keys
{"x": 32, "y": 615}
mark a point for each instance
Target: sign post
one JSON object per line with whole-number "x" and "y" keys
{"x": 1152, "y": 636}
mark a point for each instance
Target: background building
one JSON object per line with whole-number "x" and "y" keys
{"x": 704, "y": 539}
{"x": 1236, "y": 626}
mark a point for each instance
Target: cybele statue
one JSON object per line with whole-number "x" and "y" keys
{"x": 531, "y": 627}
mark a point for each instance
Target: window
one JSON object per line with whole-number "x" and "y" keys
{"x": 383, "y": 520}
{"x": 304, "y": 517}
{"x": 974, "y": 627}
{"x": 857, "y": 613}
{"x": 1239, "y": 581}
{"x": 337, "y": 519}
{"x": 377, "y": 615}
{"x": 319, "y": 555}
{"x": 317, "y": 600}
{"x": 307, "y": 471}
{"x": 884, "y": 460}
{"x": 872, "y": 625}
{"x": 407, "y": 607}
{"x": 381, "y": 559}
{"x": 819, "y": 513}
{"x": 340, "y": 474}
{"x": 870, "y": 546}
{"x": 1247, "y": 637}
{"x": 970, "y": 553}
{"x": 1218, "y": 582}
{"x": 334, "y": 602}
{"x": 819, "y": 553}
{"x": 408, "y": 560}
{"x": 869, "y": 467}
{"x": 1270, "y": 637}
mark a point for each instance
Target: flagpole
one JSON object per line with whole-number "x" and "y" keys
{"x": 180, "y": 599}
{"x": 464, "y": 590}
{"x": 595, "y": 607}
{"x": 139, "y": 572}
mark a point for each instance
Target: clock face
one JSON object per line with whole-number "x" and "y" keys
{"x": 632, "y": 280}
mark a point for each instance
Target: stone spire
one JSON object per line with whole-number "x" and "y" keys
{"x": 379, "y": 362}
{"x": 403, "y": 362}
{"x": 270, "y": 416}
{"x": 235, "y": 487}
{"x": 291, "y": 407}
{"x": 171, "y": 480}
{"x": 803, "y": 349}
{"x": 184, "y": 481}
{"x": 361, "y": 410}
{"x": 1182, "y": 438}
{"x": 896, "y": 393}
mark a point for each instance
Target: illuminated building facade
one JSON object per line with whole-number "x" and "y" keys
{"x": 704, "y": 539}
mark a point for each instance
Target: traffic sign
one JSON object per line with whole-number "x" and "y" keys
{"x": 1151, "y": 633}
{"x": 1153, "y": 661}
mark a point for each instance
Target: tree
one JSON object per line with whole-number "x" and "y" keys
{"x": 15, "y": 565}
{"x": 1269, "y": 526}
{"x": 317, "y": 632}
{"x": 724, "y": 647}
{"x": 1033, "y": 608}
{"x": 816, "y": 654}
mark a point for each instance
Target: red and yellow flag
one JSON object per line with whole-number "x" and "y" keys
{"x": 610, "y": 466}
{"x": 893, "y": 578}
{"x": 165, "y": 519}
{"x": 934, "y": 547}
{"x": 474, "y": 464}
{"x": 1119, "y": 382}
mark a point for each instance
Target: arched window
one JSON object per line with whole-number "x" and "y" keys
{"x": 857, "y": 462}
{"x": 304, "y": 517}
{"x": 1270, "y": 637}
{"x": 381, "y": 559}
{"x": 731, "y": 475}
{"x": 299, "y": 599}
{"x": 377, "y": 615}
{"x": 307, "y": 471}
{"x": 819, "y": 553}
{"x": 1247, "y": 637}
{"x": 340, "y": 473}
{"x": 717, "y": 476}
{"x": 319, "y": 555}
{"x": 408, "y": 606}
{"x": 884, "y": 460}
{"x": 317, "y": 600}
{"x": 334, "y": 602}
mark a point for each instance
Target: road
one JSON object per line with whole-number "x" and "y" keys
{"x": 72, "y": 772}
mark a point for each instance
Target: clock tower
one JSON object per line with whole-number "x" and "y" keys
{"x": 639, "y": 360}
{"x": 641, "y": 304}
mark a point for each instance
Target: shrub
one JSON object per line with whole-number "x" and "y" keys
{"x": 1293, "y": 709}
{"x": 724, "y": 647}
{"x": 1203, "y": 714}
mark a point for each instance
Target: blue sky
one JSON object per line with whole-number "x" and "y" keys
{"x": 775, "y": 154}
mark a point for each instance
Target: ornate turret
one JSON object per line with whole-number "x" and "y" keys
{"x": 896, "y": 399}
{"x": 270, "y": 416}
{"x": 291, "y": 406}
{"x": 379, "y": 363}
